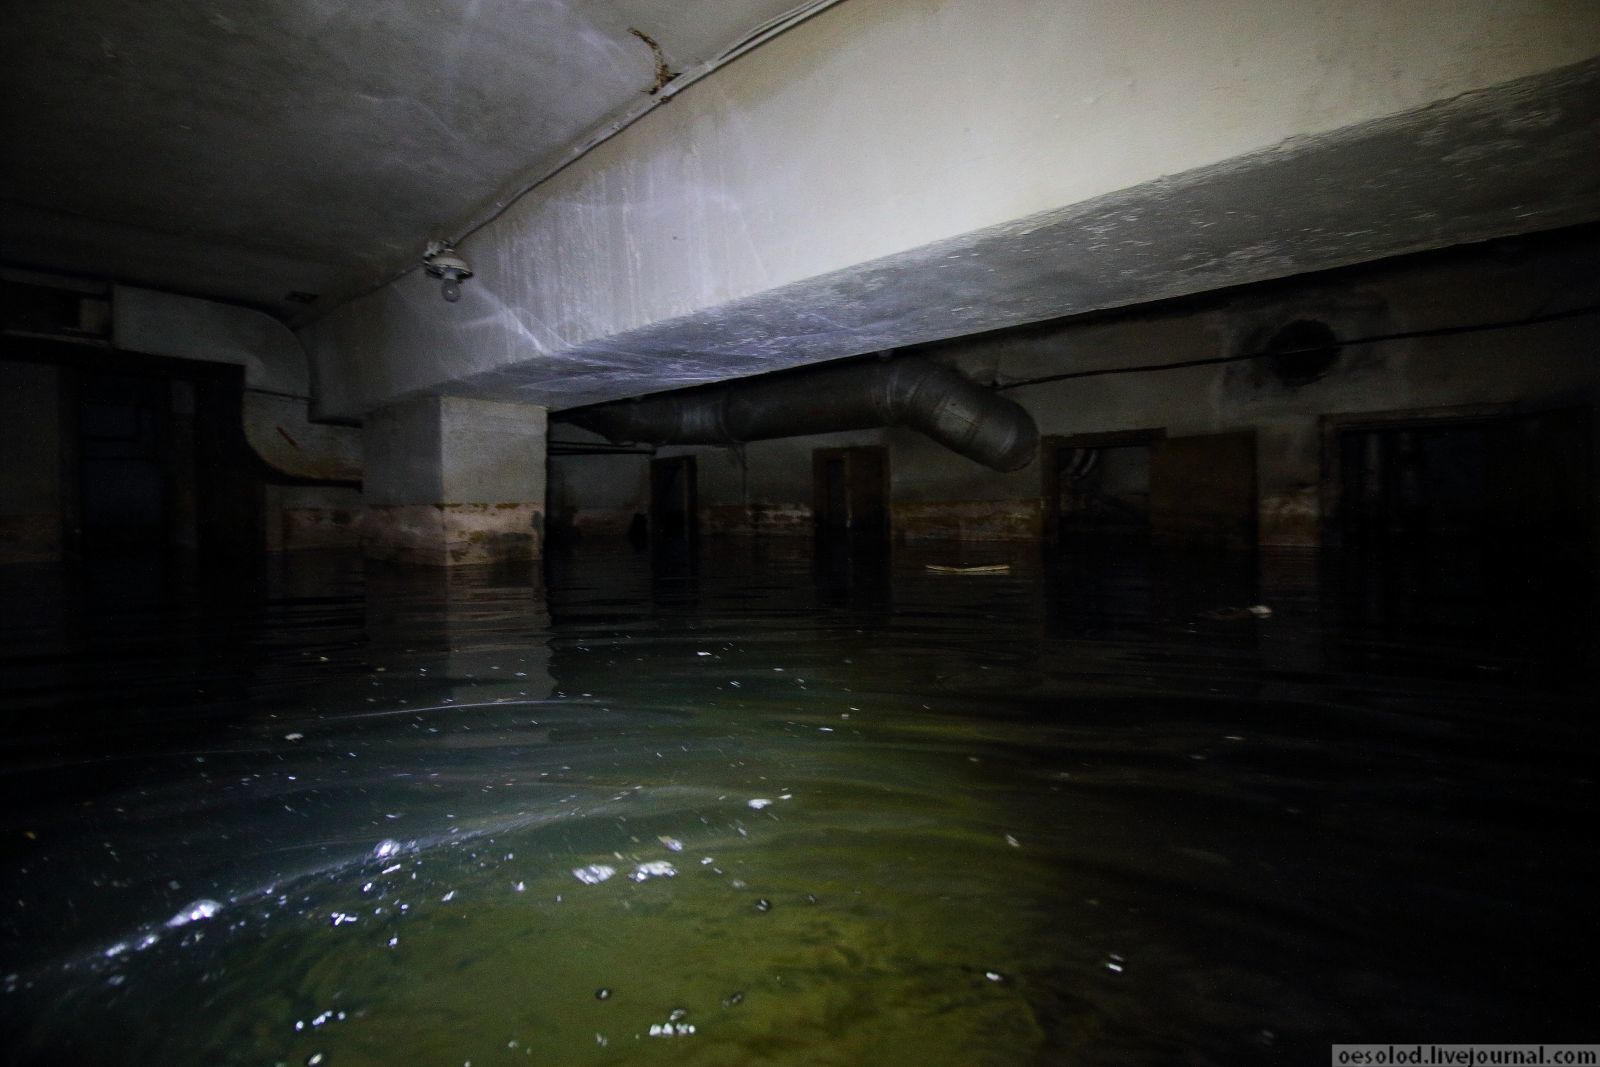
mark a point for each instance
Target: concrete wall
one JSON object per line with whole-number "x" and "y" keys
{"x": 936, "y": 493}
{"x": 595, "y": 494}
{"x": 764, "y": 218}
{"x": 31, "y": 498}
{"x": 304, "y": 517}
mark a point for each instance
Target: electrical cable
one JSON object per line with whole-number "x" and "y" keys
{"x": 1372, "y": 339}
{"x": 766, "y": 32}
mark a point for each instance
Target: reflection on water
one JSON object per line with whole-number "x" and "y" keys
{"x": 752, "y": 808}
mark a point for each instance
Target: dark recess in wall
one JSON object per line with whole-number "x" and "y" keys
{"x": 674, "y": 502}
{"x": 1517, "y": 484}
{"x": 1302, "y": 352}
{"x": 850, "y": 494}
{"x": 153, "y": 454}
{"x": 1097, "y": 486}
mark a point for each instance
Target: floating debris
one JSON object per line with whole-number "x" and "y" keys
{"x": 603, "y": 993}
{"x": 733, "y": 1000}
{"x": 763, "y": 904}
{"x": 1232, "y": 614}
{"x": 672, "y": 843}
{"x": 985, "y": 568}
{"x": 195, "y": 912}
{"x": 593, "y": 874}
{"x": 759, "y": 802}
{"x": 386, "y": 848}
{"x": 657, "y": 869}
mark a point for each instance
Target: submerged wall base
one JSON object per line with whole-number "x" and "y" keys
{"x": 453, "y": 481}
{"x": 447, "y": 535}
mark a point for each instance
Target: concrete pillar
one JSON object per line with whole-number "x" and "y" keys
{"x": 453, "y": 481}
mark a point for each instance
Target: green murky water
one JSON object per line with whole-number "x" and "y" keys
{"x": 763, "y": 810}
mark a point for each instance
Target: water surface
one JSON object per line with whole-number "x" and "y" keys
{"x": 752, "y": 807}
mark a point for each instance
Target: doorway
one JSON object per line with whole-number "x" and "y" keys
{"x": 1516, "y": 481}
{"x": 673, "y": 500}
{"x": 124, "y": 496}
{"x": 1097, "y": 486}
{"x": 850, "y": 494}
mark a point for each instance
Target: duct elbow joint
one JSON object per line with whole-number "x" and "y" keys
{"x": 960, "y": 414}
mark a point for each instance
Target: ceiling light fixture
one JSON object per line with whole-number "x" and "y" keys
{"x": 441, "y": 261}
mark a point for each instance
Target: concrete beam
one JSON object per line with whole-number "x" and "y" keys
{"x": 900, "y": 171}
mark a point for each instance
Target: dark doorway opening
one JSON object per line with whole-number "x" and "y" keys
{"x": 1515, "y": 483}
{"x": 153, "y": 457}
{"x": 673, "y": 500}
{"x": 850, "y": 495}
{"x": 1097, "y": 487}
{"x": 123, "y": 432}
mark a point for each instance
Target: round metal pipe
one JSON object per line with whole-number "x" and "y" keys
{"x": 910, "y": 391}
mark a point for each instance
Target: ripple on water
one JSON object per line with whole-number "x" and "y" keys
{"x": 1023, "y": 841}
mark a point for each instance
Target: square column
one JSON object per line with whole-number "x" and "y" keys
{"x": 452, "y": 481}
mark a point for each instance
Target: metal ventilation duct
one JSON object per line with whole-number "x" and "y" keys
{"x": 934, "y": 399}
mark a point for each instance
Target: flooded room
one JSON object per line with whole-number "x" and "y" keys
{"x": 799, "y": 532}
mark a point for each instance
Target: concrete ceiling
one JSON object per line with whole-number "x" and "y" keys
{"x": 247, "y": 151}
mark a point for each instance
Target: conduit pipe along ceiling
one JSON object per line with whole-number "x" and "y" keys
{"x": 910, "y": 391}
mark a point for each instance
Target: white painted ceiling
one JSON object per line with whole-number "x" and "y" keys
{"x": 248, "y": 150}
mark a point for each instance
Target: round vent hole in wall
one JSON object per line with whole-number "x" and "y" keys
{"x": 1302, "y": 352}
